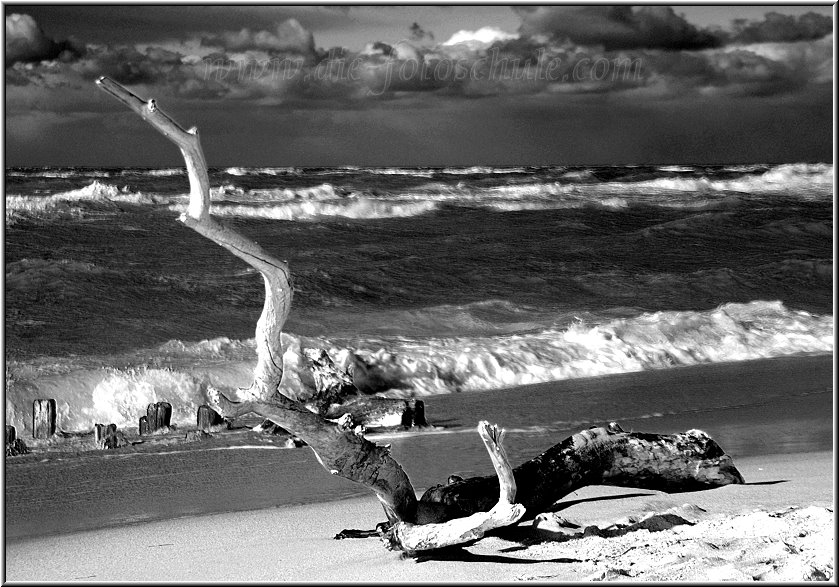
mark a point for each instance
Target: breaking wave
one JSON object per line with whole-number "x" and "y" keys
{"x": 70, "y": 204}
{"x": 243, "y": 171}
{"x": 318, "y": 193}
{"x": 59, "y": 173}
{"x": 307, "y": 204}
{"x": 800, "y": 180}
{"x": 91, "y": 391}
{"x": 482, "y": 170}
{"x": 166, "y": 172}
{"x": 361, "y": 208}
{"x": 782, "y": 178}
{"x": 413, "y": 172}
{"x": 732, "y": 332}
{"x": 679, "y": 188}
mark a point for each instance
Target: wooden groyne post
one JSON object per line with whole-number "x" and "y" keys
{"x": 415, "y": 414}
{"x": 43, "y": 418}
{"x": 108, "y": 437}
{"x": 158, "y": 415}
{"x": 14, "y": 445}
{"x": 99, "y": 434}
{"x": 208, "y": 418}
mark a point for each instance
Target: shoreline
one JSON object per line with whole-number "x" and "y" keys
{"x": 78, "y": 441}
{"x": 791, "y": 413}
{"x": 294, "y": 543}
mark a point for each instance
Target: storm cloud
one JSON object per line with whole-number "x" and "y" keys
{"x": 616, "y": 27}
{"x": 781, "y": 28}
{"x": 586, "y": 59}
{"x": 595, "y": 49}
{"x": 26, "y": 42}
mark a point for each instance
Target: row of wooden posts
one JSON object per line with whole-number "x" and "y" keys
{"x": 158, "y": 416}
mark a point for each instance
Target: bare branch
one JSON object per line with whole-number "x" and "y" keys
{"x": 413, "y": 537}
{"x": 278, "y": 288}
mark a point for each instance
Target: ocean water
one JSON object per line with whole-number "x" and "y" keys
{"x": 437, "y": 281}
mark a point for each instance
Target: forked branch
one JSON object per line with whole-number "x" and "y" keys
{"x": 413, "y": 538}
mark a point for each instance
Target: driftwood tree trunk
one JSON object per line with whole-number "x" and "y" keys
{"x": 456, "y": 513}
{"x": 600, "y": 456}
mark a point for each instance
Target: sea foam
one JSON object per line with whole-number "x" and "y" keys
{"x": 307, "y": 204}
{"x": 179, "y": 372}
{"x": 732, "y": 332}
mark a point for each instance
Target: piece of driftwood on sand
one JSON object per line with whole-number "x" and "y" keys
{"x": 461, "y": 511}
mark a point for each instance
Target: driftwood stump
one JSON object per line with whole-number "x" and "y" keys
{"x": 464, "y": 510}
{"x": 209, "y": 420}
{"x": 108, "y": 437}
{"x": 379, "y": 412}
{"x": 159, "y": 415}
{"x": 99, "y": 435}
{"x": 43, "y": 418}
{"x": 14, "y": 445}
{"x": 336, "y": 395}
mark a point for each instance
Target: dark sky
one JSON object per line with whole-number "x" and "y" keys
{"x": 423, "y": 85}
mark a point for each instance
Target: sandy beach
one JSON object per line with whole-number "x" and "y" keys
{"x": 777, "y": 526}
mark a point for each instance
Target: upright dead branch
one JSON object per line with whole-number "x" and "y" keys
{"x": 278, "y": 289}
